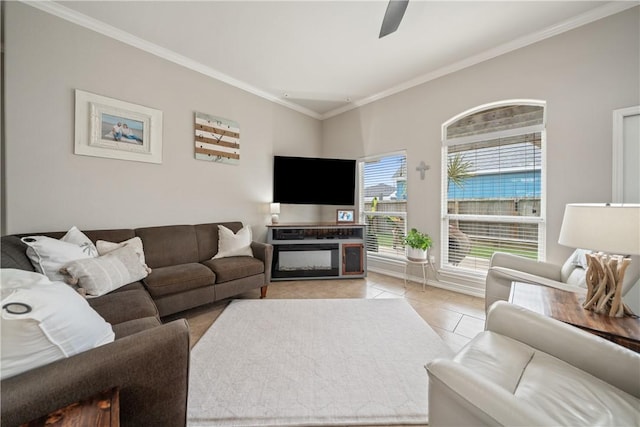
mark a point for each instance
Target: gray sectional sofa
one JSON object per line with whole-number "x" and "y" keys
{"x": 149, "y": 359}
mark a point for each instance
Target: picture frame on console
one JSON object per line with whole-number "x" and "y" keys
{"x": 110, "y": 128}
{"x": 345, "y": 216}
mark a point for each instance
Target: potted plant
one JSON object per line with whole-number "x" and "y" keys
{"x": 417, "y": 245}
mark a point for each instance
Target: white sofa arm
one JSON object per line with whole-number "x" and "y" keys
{"x": 519, "y": 276}
{"x": 603, "y": 359}
{"x": 527, "y": 265}
{"x": 460, "y": 397}
{"x": 505, "y": 268}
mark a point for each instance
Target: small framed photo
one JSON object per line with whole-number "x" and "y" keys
{"x": 108, "y": 127}
{"x": 345, "y": 216}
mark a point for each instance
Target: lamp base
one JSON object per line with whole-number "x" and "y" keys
{"x": 605, "y": 274}
{"x": 274, "y": 219}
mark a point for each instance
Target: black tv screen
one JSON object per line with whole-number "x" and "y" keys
{"x": 314, "y": 181}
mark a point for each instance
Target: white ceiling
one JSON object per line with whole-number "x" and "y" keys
{"x": 325, "y": 57}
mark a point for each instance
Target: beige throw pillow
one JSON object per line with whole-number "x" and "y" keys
{"x": 230, "y": 244}
{"x": 105, "y": 247}
{"x": 101, "y": 275}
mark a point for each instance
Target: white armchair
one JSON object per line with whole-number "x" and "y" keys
{"x": 506, "y": 268}
{"x": 526, "y": 369}
{"x": 570, "y": 276}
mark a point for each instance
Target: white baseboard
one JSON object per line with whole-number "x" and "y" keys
{"x": 395, "y": 268}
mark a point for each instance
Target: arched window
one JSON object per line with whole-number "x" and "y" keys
{"x": 493, "y": 184}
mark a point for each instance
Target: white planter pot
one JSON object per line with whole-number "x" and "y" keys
{"x": 416, "y": 254}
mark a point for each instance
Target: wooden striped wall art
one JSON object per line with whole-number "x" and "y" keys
{"x": 217, "y": 139}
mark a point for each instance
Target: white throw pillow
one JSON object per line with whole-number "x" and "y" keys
{"x": 77, "y": 237}
{"x": 230, "y": 244}
{"x": 573, "y": 271}
{"x": 48, "y": 255}
{"x": 43, "y": 321}
{"x": 105, "y": 247}
{"x": 101, "y": 275}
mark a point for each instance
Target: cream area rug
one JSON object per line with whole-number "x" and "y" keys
{"x": 313, "y": 362}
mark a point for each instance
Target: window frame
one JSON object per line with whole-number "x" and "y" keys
{"x": 361, "y": 204}
{"x": 446, "y": 217}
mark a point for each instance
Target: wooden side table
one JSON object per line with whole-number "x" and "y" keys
{"x": 567, "y": 307}
{"x": 101, "y": 410}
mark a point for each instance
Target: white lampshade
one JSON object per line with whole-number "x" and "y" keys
{"x": 613, "y": 228}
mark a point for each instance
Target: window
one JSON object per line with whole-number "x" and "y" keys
{"x": 493, "y": 185}
{"x": 383, "y": 203}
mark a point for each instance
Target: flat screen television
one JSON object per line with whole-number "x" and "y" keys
{"x": 314, "y": 181}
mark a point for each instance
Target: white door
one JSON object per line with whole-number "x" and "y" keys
{"x": 626, "y": 155}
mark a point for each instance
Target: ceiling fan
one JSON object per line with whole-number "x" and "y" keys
{"x": 393, "y": 16}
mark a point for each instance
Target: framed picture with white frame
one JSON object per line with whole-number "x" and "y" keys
{"x": 345, "y": 216}
{"x": 108, "y": 127}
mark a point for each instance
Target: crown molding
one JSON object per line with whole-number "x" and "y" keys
{"x": 70, "y": 15}
{"x": 577, "y": 21}
{"x": 110, "y": 31}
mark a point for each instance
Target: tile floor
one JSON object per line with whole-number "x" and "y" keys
{"x": 455, "y": 317}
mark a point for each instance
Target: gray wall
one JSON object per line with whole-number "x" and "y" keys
{"x": 47, "y": 187}
{"x": 583, "y": 75}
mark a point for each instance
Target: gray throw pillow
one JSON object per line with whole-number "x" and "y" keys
{"x": 101, "y": 275}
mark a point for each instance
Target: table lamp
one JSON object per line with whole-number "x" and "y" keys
{"x": 612, "y": 231}
{"x": 275, "y": 210}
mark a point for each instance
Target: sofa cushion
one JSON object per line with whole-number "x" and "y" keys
{"x": 178, "y": 278}
{"x": 127, "y": 303}
{"x": 565, "y": 393}
{"x": 44, "y": 321}
{"x": 169, "y": 245}
{"x": 134, "y": 326}
{"x": 498, "y": 358}
{"x": 232, "y": 268}
{"x": 14, "y": 254}
{"x": 138, "y": 286}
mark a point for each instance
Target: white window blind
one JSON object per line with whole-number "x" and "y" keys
{"x": 493, "y": 189}
{"x": 383, "y": 203}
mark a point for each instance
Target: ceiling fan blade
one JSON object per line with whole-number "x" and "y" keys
{"x": 393, "y": 16}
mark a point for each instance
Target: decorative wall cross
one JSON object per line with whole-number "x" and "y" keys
{"x": 422, "y": 167}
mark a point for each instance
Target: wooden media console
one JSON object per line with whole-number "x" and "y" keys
{"x": 317, "y": 251}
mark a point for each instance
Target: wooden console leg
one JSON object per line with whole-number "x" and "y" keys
{"x": 263, "y": 292}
